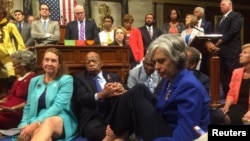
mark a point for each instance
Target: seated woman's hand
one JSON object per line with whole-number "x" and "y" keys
{"x": 27, "y": 131}
{"x": 3, "y": 108}
{"x": 246, "y": 117}
{"x": 109, "y": 131}
{"x": 224, "y": 110}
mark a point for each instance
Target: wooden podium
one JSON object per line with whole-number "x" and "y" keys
{"x": 214, "y": 61}
{"x": 115, "y": 58}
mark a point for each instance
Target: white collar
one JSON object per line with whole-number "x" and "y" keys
{"x": 23, "y": 77}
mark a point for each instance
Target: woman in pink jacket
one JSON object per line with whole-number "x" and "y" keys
{"x": 237, "y": 106}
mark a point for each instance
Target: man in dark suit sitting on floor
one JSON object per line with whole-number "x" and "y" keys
{"x": 82, "y": 28}
{"x": 94, "y": 93}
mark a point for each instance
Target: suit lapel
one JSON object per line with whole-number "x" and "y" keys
{"x": 40, "y": 26}
{"x": 146, "y": 33}
{"x": 202, "y": 24}
{"x": 75, "y": 29}
{"x": 154, "y": 33}
{"x": 107, "y": 77}
{"x": 87, "y": 27}
{"x": 49, "y": 25}
{"x": 24, "y": 28}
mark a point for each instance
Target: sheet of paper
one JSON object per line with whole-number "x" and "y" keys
{"x": 10, "y": 132}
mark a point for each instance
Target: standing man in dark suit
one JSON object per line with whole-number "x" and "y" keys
{"x": 207, "y": 29}
{"x": 90, "y": 30}
{"x": 149, "y": 32}
{"x": 94, "y": 93}
{"x": 230, "y": 44}
{"x": 202, "y": 23}
{"x": 24, "y": 28}
{"x": 45, "y": 31}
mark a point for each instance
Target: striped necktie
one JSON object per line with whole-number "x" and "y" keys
{"x": 82, "y": 31}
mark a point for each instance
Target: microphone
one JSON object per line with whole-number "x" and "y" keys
{"x": 197, "y": 29}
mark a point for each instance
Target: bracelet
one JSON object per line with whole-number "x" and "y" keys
{"x": 13, "y": 109}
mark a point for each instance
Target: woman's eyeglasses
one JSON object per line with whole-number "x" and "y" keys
{"x": 16, "y": 65}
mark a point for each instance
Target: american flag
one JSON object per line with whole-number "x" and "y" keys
{"x": 61, "y": 10}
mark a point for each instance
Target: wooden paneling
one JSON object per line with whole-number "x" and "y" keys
{"x": 115, "y": 58}
{"x": 62, "y": 34}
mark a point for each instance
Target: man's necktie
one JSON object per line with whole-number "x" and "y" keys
{"x": 150, "y": 32}
{"x": 98, "y": 84}
{"x": 82, "y": 31}
{"x": 45, "y": 26}
{"x": 20, "y": 26}
{"x": 222, "y": 19}
{"x": 150, "y": 84}
{"x": 102, "y": 105}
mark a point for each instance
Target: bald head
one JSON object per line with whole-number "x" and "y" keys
{"x": 93, "y": 54}
{"x": 226, "y": 6}
{"x": 79, "y": 12}
{"x": 78, "y": 7}
{"x": 93, "y": 63}
{"x": 199, "y": 12}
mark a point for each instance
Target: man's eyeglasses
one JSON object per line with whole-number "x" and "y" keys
{"x": 78, "y": 13}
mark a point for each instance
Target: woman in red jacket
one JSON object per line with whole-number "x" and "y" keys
{"x": 134, "y": 39}
{"x": 11, "y": 106}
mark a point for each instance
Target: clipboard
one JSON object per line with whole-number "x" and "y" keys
{"x": 199, "y": 40}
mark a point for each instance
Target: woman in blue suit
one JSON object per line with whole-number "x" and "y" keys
{"x": 180, "y": 104}
{"x": 47, "y": 114}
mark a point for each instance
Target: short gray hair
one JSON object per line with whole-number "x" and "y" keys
{"x": 26, "y": 58}
{"x": 173, "y": 46}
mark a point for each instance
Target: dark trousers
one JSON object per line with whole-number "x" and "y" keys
{"x": 135, "y": 112}
{"x": 205, "y": 62}
{"x": 228, "y": 62}
{"x": 95, "y": 129}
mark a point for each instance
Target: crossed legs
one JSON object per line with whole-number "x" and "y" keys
{"x": 51, "y": 127}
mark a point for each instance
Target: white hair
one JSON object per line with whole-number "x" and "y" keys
{"x": 202, "y": 10}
